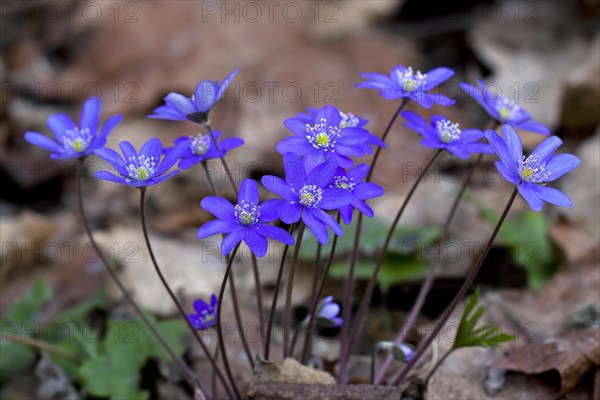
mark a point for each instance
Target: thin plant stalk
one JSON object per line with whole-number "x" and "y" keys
{"x": 179, "y": 306}
{"x": 219, "y": 326}
{"x": 461, "y": 293}
{"x": 346, "y": 308}
{"x": 259, "y": 301}
{"x": 364, "y": 303}
{"x": 436, "y": 366}
{"x": 315, "y": 301}
{"x": 276, "y": 297}
{"x": 211, "y": 184}
{"x": 42, "y": 346}
{"x": 186, "y": 371}
{"x": 289, "y": 289}
{"x": 238, "y": 319}
{"x": 227, "y": 170}
{"x": 427, "y": 284}
{"x": 256, "y": 281}
{"x": 317, "y": 272}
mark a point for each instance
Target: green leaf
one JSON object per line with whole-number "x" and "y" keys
{"x": 469, "y": 334}
{"x": 526, "y": 236}
{"x": 173, "y": 331}
{"x": 114, "y": 373}
{"x": 14, "y": 359}
{"x": 27, "y": 307}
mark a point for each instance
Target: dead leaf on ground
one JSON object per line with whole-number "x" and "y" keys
{"x": 571, "y": 356}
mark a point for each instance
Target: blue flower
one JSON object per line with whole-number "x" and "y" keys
{"x": 404, "y": 82}
{"x": 74, "y": 141}
{"x": 348, "y": 120}
{"x": 502, "y": 109}
{"x": 201, "y": 147}
{"x": 328, "y": 313}
{"x": 352, "y": 182}
{"x": 323, "y": 139}
{"x": 246, "y": 221}
{"x": 441, "y": 133}
{"x": 305, "y": 196}
{"x": 143, "y": 169}
{"x": 408, "y": 351}
{"x": 181, "y": 108}
{"x": 206, "y": 314}
{"x": 531, "y": 174}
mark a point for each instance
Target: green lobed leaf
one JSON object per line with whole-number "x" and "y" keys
{"x": 469, "y": 333}
{"x": 27, "y": 307}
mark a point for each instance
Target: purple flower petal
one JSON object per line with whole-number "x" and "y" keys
{"x": 331, "y": 115}
{"x": 59, "y": 124}
{"x": 322, "y": 174}
{"x": 297, "y": 127}
{"x": 43, "y": 141}
{"x": 508, "y": 174}
{"x": 205, "y": 96}
{"x": 230, "y": 241}
{"x": 279, "y": 186}
{"x": 294, "y": 144}
{"x": 180, "y": 103}
{"x": 258, "y": 244}
{"x": 219, "y": 207}
{"x": 367, "y": 190}
{"x": 226, "y": 83}
{"x": 114, "y": 159}
{"x": 514, "y": 146}
{"x": 534, "y": 126}
{"x": 437, "y": 76}
{"x": 526, "y": 190}
{"x": 327, "y": 220}
{"x": 290, "y": 212}
{"x": 317, "y": 227}
{"x": 561, "y": 164}
{"x": 547, "y": 147}
{"x": 552, "y": 196}
{"x": 128, "y": 150}
{"x": 231, "y": 143}
{"x": 334, "y": 198}
{"x": 89, "y": 115}
{"x": 275, "y": 233}
{"x": 248, "y": 192}
{"x": 295, "y": 174}
{"x": 269, "y": 210}
{"x": 214, "y": 227}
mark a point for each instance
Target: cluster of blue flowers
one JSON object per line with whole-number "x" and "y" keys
{"x": 318, "y": 160}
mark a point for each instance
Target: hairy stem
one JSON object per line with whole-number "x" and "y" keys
{"x": 219, "y": 324}
{"x": 364, "y": 303}
{"x": 238, "y": 319}
{"x": 276, "y": 297}
{"x": 289, "y": 289}
{"x": 315, "y": 301}
{"x": 185, "y": 370}
{"x": 461, "y": 293}
{"x": 346, "y": 306}
{"x": 218, "y": 148}
{"x": 426, "y": 287}
{"x": 179, "y": 306}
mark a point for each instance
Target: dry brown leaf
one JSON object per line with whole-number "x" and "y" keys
{"x": 571, "y": 356}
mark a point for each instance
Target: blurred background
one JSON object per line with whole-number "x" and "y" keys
{"x": 545, "y": 55}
